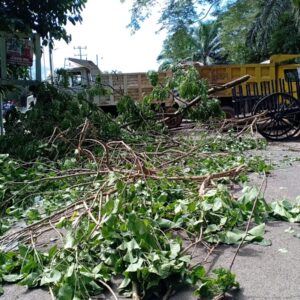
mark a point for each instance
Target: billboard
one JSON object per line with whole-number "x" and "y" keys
{"x": 19, "y": 51}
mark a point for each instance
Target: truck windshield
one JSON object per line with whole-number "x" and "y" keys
{"x": 76, "y": 79}
{"x": 292, "y": 74}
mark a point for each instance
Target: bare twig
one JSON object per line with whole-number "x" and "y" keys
{"x": 109, "y": 288}
{"x": 248, "y": 223}
{"x": 135, "y": 293}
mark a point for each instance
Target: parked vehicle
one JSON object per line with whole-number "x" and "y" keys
{"x": 279, "y": 67}
{"x": 83, "y": 74}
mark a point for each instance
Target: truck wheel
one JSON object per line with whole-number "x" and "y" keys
{"x": 229, "y": 112}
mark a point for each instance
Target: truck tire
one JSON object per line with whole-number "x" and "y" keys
{"x": 229, "y": 112}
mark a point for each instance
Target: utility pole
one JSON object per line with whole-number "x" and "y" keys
{"x": 81, "y": 55}
{"x": 51, "y": 63}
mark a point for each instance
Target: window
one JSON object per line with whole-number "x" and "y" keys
{"x": 292, "y": 74}
{"x": 76, "y": 79}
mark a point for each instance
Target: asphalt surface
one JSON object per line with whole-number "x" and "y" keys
{"x": 271, "y": 272}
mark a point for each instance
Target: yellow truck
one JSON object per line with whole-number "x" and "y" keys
{"x": 279, "y": 68}
{"x": 136, "y": 85}
{"x": 83, "y": 74}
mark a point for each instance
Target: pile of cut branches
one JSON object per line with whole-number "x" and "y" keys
{"x": 134, "y": 211}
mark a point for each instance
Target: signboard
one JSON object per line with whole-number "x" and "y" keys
{"x": 19, "y": 51}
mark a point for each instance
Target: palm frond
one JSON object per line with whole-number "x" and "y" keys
{"x": 261, "y": 31}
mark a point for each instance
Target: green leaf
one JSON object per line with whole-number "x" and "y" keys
{"x": 70, "y": 270}
{"x": 52, "y": 277}
{"x": 52, "y": 251}
{"x": 12, "y": 277}
{"x": 165, "y": 223}
{"x": 264, "y": 243}
{"x": 290, "y": 230}
{"x": 124, "y": 283}
{"x": 65, "y": 292}
{"x": 232, "y": 237}
{"x": 211, "y": 228}
{"x": 31, "y": 280}
{"x": 218, "y": 204}
{"x": 70, "y": 241}
{"x": 281, "y": 208}
{"x": 257, "y": 231}
{"x": 132, "y": 245}
{"x": 136, "y": 266}
{"x": 197, "y": 274}
{"x": 175, "y": 249}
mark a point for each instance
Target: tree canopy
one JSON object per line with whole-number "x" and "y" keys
{"x": 246, "y": 31}
{"x": 47, "y": 18}
{"x": 175, "y": 14}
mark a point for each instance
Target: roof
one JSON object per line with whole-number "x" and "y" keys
{"x": 83, "y": 63}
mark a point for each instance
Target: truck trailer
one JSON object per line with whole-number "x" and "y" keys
{"x": 83, "y": 74}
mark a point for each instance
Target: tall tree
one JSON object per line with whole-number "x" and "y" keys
{"x": 46, "y": 17}
{"x": 253, "y": 31}
{"x": 271, "y": 14}
{"x": 207, "y": 43}
{"x": 201, "y": 43}
{"x": 235, "y": 23}
{"x": 175, "y": 14}
{"x": 177, "y": 47}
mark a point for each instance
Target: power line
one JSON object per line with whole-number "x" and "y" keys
{"x": 80, "y": 54}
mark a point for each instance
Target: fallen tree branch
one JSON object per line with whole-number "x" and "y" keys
{"x": 229, "y": 173}
{"x": 210, "y": 92}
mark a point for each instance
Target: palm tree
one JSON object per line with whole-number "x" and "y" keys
{"x": 207, "y": 42}
{"x": 267, "y": 20}
{"x": 177, "y": 47}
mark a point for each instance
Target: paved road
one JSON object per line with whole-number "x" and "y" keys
{"x": 268, "y": 272}
{"x": 263, "y": 272}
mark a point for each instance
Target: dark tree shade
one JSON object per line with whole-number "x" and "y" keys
{"x": 46, "y": 17}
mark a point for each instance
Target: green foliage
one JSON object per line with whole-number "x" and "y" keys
{"x": 268, "y": 20}
{"x": 223, "y": 282}
{"x": 206, "y": 110}
{"x": 235, "y": 23}
{"x": 47, "y": 18}
{"x": 253, "y": 31}
{"x": 136, "y": 115}
{"x": 177, "y": 47}
{"x": 175, "y": 14}
{"x": 279, "y": 41}
{"x": 286, "y": 210}
{"x": 200, "y": 43}
{"x": 28, "y": 138}
{"x": 136, "y": 237}
{"x": 250, "y": 31}
{"x": 207, "y": 44}
{"x": 189, "y": 85}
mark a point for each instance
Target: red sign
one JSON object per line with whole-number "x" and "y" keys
{"x": 19, "y": 51}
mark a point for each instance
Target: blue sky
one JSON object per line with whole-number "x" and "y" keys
{"x": 104, "y": 33}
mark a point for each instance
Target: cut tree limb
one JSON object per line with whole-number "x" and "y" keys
{"x": 210, "y": 92}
